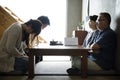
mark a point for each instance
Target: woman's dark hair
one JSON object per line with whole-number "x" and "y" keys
{"x": 44, "y": 20}
{"x": 36, "y": 26}
{"x": 107, "y": 16}
{"x": 94, "y": 17}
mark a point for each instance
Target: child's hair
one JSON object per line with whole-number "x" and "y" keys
{"x": 94, "y": 17}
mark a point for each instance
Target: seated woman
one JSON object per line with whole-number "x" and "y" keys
{"x": 87, "y": 42}
{"x": 12, "y": 55}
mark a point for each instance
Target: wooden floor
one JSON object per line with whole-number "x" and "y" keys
{"x": 61, "y": 78}
{"x": 56, "y": 70}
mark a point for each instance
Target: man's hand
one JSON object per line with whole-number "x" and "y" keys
{"x": 95, "y": 48}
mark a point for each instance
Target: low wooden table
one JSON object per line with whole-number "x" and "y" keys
{"x": 58, "y": 50}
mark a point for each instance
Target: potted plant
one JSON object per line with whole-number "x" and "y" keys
{"x": 80, "y": 25}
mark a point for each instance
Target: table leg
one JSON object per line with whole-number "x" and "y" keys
{"x": 84, "y": 65}
{"x": 31, "y": 66}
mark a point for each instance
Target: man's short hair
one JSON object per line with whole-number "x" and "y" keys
{"x": 44, "y": 20}
{"x": 94, "y": 17}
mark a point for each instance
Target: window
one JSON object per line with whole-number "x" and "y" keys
{"x": 32, "y": 9}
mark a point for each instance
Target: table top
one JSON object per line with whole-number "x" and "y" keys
{"x": 46, "y": 49}
{"x": 47, "y": 46}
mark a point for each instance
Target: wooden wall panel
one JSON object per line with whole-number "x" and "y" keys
{"x": 7, "y": 17}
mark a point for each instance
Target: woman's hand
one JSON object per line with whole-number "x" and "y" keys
{"x": 22, "y": 55}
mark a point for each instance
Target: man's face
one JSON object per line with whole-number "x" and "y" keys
{"x": 102, "y": 23}
{"x": 44, "y": 26}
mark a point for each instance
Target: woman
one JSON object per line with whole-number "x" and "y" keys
{"x": 12, "y": 55}
{"x": 90, "y": 35}
{"x": 76, "y": 61}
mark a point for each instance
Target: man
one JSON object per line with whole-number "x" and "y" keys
{"x": 45, "y": 22}
{"x": 103, "y": 45}
{"x": 105, "y": 42}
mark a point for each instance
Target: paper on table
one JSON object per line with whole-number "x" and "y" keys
{"x": 70, "y": 41}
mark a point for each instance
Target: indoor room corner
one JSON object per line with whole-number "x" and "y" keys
{"x": 65, "y": 16}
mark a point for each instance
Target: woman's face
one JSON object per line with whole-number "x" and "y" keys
{"x": 29, "y": 29}
{"x": 92, "y": 24}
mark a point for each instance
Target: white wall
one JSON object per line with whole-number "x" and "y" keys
{"x": 74, "y": 12}
{"x": 97, "y": 6}
{"x": 32, "y": 9}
